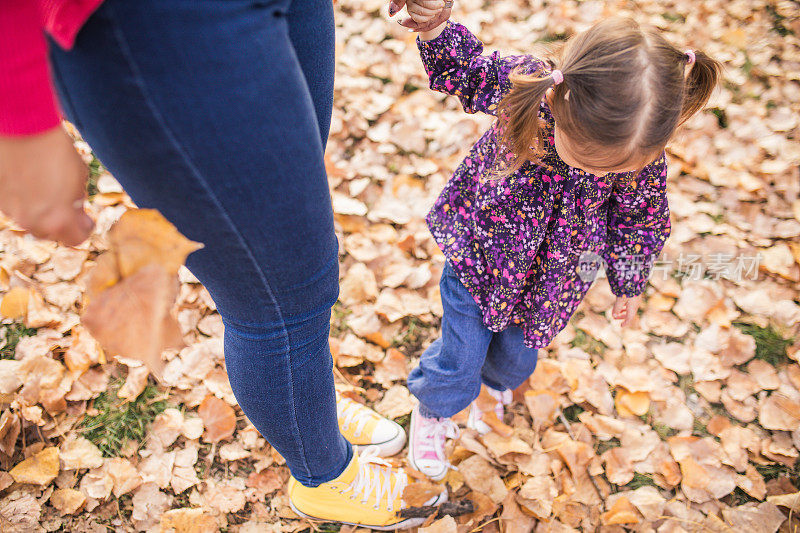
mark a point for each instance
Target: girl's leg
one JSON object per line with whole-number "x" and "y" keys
{"x": 508, "y": 362}
{"x": 201, "y": 110}
{"x": 311, "y": 30}
{"x": 448, "y": 377}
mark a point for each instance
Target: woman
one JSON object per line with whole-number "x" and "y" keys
{"x": 215, "y": 113}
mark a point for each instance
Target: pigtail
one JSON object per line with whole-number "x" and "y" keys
{"x": 699, "y": 84}
{"x": 518, "y": 115}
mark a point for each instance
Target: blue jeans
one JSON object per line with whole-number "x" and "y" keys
{"x": 216, "y": 113}
{"x": 451, "y": 370}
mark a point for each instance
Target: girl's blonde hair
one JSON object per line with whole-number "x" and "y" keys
{"x": 623, "y": 95}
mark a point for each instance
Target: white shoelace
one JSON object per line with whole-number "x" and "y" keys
{"x": 351, "y": 412}
{"x": 432, "y": 434}
{"x": 375, "y": 478}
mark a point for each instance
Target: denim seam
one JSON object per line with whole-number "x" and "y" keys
{"x": 138, "y": 79}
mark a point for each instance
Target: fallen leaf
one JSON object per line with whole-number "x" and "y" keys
{"x": 186, "y": 520}
{"x": 67, "y": 501}
{"x": 621, "y": 512}
{"x": 40, "y": 469}
{"x": 15, "y": 303}
{"x": 218, "y": 417}
{"x": 481, "y": 476}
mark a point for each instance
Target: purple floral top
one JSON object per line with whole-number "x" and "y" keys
{"x": 519, "y": 244}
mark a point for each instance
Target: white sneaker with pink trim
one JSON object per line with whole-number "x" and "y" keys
{"x": 474, "y": 420}
{"x": 426, "y": 442}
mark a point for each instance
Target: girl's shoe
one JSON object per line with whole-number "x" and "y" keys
{"x": 364, "y": 427}
{"x": 474, "y": 421}
{"x": 368, "y": 493}
{"x": 426, "y": 444}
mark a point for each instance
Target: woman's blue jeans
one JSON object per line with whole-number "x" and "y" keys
{"x": 216, "y": 113}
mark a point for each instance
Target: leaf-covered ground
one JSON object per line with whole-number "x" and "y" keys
{"x": 686, "y": 422}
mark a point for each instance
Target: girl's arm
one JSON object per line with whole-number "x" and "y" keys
{"x": 638, "y": 227}
{"x": 452, "y": 58}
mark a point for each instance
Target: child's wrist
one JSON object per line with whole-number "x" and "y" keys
{"x": 433, "y": 33}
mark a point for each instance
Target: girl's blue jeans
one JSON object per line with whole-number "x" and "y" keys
{"x": 216, "y": 113}
{"x": 451, "y": 370}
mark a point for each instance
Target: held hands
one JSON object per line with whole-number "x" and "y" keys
{"x": 625, "y": 309}
{"x": 424, "y": 15}
{"x": 43, "y": 184}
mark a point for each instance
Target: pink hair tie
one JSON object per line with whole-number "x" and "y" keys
{"x": 690, "y": 57}
{"x": 557, "y": 76}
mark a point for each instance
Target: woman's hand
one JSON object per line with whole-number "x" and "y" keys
{"x": 424, "y": 15}
{"x": 43, "y": 185}
{"x": 625, "y": 308}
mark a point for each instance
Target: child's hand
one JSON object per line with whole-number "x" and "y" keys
{"x": 425, "y": 15}
{"x": 625, "y": 308}
{"x": 422, "y": 11}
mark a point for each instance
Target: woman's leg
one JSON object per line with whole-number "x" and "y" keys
{"x": 508, "y": 362}
{"x": 311, "y": 30}
{"x": 202, "y": 111}
{"x": 448, "y": 377}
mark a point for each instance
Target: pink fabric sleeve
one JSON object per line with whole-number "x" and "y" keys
{"x": 27, "y": 101}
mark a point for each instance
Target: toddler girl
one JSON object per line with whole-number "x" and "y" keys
{"x": 574, "y": 167}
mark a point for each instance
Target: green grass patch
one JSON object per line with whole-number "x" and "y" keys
{"x": 413, "y": 335}
{"x": 118, "y": 420}
{"x": 603, "y": 446}
{"x": 404, "y": 421}
{"x": 10, "y": 335}
{"x": 664, "y": 431}
{"x": 571, "y": 412}
{"x": 587, "y": 343}
{"x": 722, "y": 117}
{"x": 770, "y": 345}
{"x": 776, "y": 470}
{"x": 339, "y": 314}
{"x": 640, "y": 480}
{"x": 96, "y": 168}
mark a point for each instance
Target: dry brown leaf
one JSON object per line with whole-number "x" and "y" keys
{"x": 480, "y": 476}
{"x": 417, "y": 493}
{"x": 186, "y": 520}
{"x": 143, "y": 237}
{"x": 40, "y": 469}
{"x": 67, "y": 501}
{"x": 512, "y": 519}
{"x": 218, "y": 417}
{"x": 147, "y": 327}
{"x": 15, "y": 303}
{"x": 622, "y": 512}
{"x": 762, "y": 518}
{"x": 446, "y": 524}
{"x": 779, "y": 412}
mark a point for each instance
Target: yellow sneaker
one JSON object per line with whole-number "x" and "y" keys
{"x": 368, "y": 493}
{"x": 364, "y": 427}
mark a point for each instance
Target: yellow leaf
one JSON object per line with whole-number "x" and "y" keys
{"x": 636, "y": 403}
{"x": 39, "y": 469}
{"x": 144, "y": 236}
{"x": 15, "y": 303}
{"x": 622, "y": 512}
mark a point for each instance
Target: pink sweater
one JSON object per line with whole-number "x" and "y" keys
{"x": 27, "y": 101}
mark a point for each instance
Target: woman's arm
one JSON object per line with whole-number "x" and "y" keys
{"x": 27, "y": 101}
{"x": 42, "y": 177}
